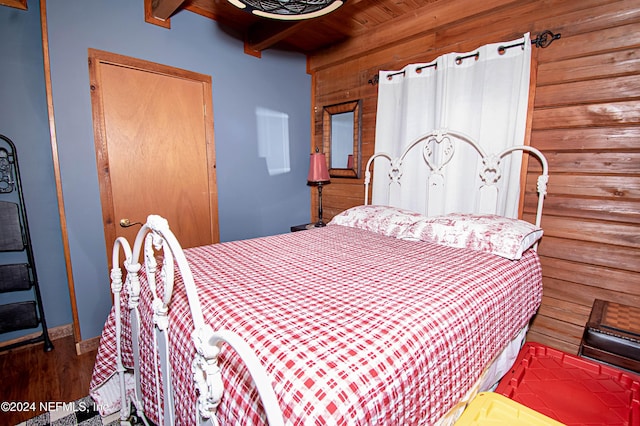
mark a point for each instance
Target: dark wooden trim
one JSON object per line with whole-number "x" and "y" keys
{"x": 328, "y": 111}
{"x": 56, "y": 169}
{"x": 151, "y": 19}
{"x": 163, "y": 9}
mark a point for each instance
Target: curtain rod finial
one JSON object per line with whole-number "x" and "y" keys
{"x": 545, "y": 38}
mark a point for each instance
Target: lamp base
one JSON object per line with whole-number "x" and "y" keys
{"x": 320, "y": 223}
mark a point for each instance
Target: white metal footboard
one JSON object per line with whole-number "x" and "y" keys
{"x": 155, "y": 237}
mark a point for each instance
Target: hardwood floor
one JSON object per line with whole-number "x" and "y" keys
{"x": 33, "y": 376}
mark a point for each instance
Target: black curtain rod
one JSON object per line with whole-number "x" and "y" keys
{"x": 543, "y": 40}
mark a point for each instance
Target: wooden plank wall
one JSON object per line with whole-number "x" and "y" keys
{"x": 586, "y": 119}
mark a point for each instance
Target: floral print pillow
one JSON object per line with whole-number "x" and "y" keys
{"x": 386, "y": 220}
{"x": 499, "y": 235}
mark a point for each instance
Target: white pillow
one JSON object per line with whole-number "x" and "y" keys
{"x": 499, "y": 235}
{"x": 385, "y": 220}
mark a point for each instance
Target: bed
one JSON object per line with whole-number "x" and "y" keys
{"x": 384, "y": 316}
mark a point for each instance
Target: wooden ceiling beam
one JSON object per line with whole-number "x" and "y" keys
{"x": 18, "y": 4}
{"x": 163, "y": 9}
{"x": 265, "y": 34}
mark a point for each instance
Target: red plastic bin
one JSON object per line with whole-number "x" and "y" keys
{"x": 572, "y": 390}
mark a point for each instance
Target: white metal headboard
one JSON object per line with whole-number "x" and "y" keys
{"x": 490, "y": 174}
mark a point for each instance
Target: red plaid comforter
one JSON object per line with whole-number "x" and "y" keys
{"x": 354, "y": 328}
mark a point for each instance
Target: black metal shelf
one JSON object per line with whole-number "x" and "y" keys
{"x": 15, "y": 238}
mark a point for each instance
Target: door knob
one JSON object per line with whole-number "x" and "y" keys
{"x": 125, "y": 223}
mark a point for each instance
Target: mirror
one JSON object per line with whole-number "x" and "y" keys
{"x": 341, "y": 139}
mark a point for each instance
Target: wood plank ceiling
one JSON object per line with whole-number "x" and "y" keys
{"x": 355, "y": 17}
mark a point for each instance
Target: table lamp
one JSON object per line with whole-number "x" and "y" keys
{"x": 318, "y": 176}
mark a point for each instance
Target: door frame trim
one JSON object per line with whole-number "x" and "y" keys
{"x": 98, "y": 57}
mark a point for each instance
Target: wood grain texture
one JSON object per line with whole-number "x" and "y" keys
{"x": 585, "y": 119}
{"x": 131, "y": 140}
{"x": 31, "y": 375}
{"x": 56, "y": 167}
{"x": 18, "y": 4}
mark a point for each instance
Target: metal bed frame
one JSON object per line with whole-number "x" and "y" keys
{"x": 156, "y": 236}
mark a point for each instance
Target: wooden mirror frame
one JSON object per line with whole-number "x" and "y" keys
{"x": 327, "y": 114}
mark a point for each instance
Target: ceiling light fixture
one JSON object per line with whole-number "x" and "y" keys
{"x": 288, "y": 10}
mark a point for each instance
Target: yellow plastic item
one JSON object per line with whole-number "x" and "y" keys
{"x": 489, "y": 408}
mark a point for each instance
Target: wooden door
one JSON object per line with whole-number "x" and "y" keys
{"x": 154, "y": 145}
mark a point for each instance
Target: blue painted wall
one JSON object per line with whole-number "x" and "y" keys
{"x": 23, "y": 119}
{"x": 252, "y": 201}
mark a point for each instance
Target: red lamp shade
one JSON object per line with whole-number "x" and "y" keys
{"x": 350, "y": 161}
{"x": 318, "y": 173}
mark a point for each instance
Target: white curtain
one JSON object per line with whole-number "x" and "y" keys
{"x": 483, "y": 94}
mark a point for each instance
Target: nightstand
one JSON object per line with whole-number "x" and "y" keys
{"x": 612, "y": 335}
{"x": 303, "y": 227}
